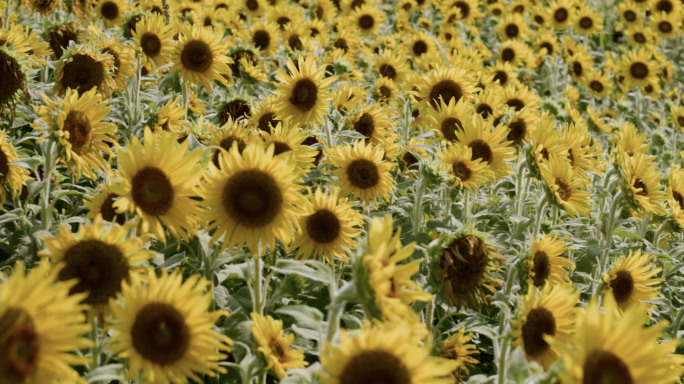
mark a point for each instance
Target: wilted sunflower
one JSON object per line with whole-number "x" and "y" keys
{"x": 60, "y": 36}
{"x": 487, "y": 144}
{"x": 12, "y": 78}
{"x": 200, "y": 57}
{"x": 101, "y": 258}
{"x": 383, "y": 354}
{"x": 304, "y": 95}
{"x": 75, "y": 123}
{"x": 549, "y": 312}
{"x": 463, "y": 267}
{"x": 154, "y": 37}
{"x": 164, "y": 330}
{"x": 444, "y": 84}
{"x": 361, "y": 171}
{"x": 329, "y": 224}
{"x": 275, "y": 346}
{"x": 83, "y": 68}
{"x": 546, "y": 264}
{"x": 252, "y": 198}
{"x": 112, "y": 12}
{"x": 101, "y": 203}
{"x": 611, "y": 347}
{"x": 156, "y": 182}
{"x": 457, "y": 347}
{"x": 288, "y": 140}
{"x": 11, "y": 175}
{"x": 643, "y": 185}
{"x": 464, "y": 171}
{"x": 42, "y": 325}
{"x": 632, "y": 279}
{"x": 564, "y": 187}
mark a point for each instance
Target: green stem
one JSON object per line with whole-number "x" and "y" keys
{"x": 519, "y": 192}
{"x": 334, "y": 315}
{"x": 538, "y": 218}
{"x": 430, "y": 314}
{"x": 257, "y": 299}
{"x": 419, "y": 190}
{"x": 48, "y": 149}
{"x": 95, "y": 350}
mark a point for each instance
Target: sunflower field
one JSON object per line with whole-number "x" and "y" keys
{"x": 341, "y": 191}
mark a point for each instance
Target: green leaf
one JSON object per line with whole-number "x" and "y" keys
{"x": 106, "y": 373}
{"x": 298, "y": 267}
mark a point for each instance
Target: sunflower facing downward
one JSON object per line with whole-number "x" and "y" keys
{"x": 164, "y": 330}
{"x": 361, "y": 171}
{"x": 465, "y": 172}
{"x": 200, "y": 57}
{"x": 76, "y": 124}
{"x": 549, "y": 312}
{"x": 154, "y": 37}
{"x": 643, "y": 183}
{"x": 382, "y": 354}
{"x": 100, "y": 257}
{"x": 328, "y": 225}
{"x": 610, "y": 347}
{"x": 546, "y": 263}
{"x": 156, "y": 182}
{"x": 11, "y": 175}
{"x": 275, "y": 346}
{"x": 632, "y": 279}
{"x": 304, "y": 95}
{"x": 252, "y": 198}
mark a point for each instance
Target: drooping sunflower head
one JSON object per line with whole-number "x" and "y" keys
{"x": 465, "y": 268}
{"x": 101, "y": 258}
{"x": 164, "y": 329}
{"x": 275, "y": 346}
{"x": 303, "y": 93}
{"x": 546, "y": 264}
{"x": 59, "y": 37}
{"x": 546, "y": 313}
{"x": 13, "y": 86}
{"x": 253, "y": 199}
{"x": 632, "y": 279}
{"x": 83, "y": 68}
{"x": 361, "y": 171}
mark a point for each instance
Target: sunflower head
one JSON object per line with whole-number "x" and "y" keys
{"x": 304, "y": 95}
{"x": 545, "y": 263}
{"x": 274, "y": 346}
{"x": 13, "y": 86}
{"x": 458, "y": 347}
{"x": 83, "y": 68}
{"x": 632, "y": 279}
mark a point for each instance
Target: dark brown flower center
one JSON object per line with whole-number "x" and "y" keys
{"x": 151, "y": 44}
{"x": 235, "y": 109}
{"x": 596, "y": 86}
{"x": 19, "y": 346}
{"x": 449, "y": 127}
{"x": 282, "y": 22}
{"x": 419, "y": 48}
{"x": 387, "y": 70}
{"x": 365, "y": 125}
{"x": 561, "y": 15}
{"x": 541, "y": 267}
{"x": 463, "y": 7}
{"x": 508, "y": 54}
{"x": 82, "y": 73}
{"x": 252, "y": 198}
{"x": 363, "y": 174}
{"x": 295, "y": 42}
{"x": 131, "y": 25}
{"x": 304, "y": 94}
{"x": 227, "y": 144}
{"x": 267, "y": 121}
{"x": 517, "y": 131}
{"x": 12, "y": 78}
{"x": 375, "y": 366}
{"x": 630, "y": 15}
{"x": 675, "y": 195}
{"x": 461, "y": 170}
{"x": 484, "y": 110}
{"x": 512, "y": 31}
{"x": 61, "y": 36}
{"x": 447, "y": 90}
{"x": 252, "y": 5}
{"x": 664, "y": 6}
{"x": 586, "y": 22}
{"x": 564, "y": 190}
{"x": 261, "y": 39}
{"x": 366, "y": 22}
{"x": 638, "y": 70}
{"x": 80, "y": 132}
{"x": 100, "y": 268}
{"x": 196, "y": 56}
{"x": 641, "y": 184}
{"x": 602, "y": 367}
{"x": 323, "y": 226}
{"x": 109, "y": 213}
{"x": 342, "y": 44}
{"x": 481, "y": 150}
{"x": 548, "y": 47}
{"x": 515, "y": 103}
{"x": 622, "y": 286}
{"x": 501, "y": 76}
{"x": 4, "y": 166}
{"x": 539, "y": 322}
{"x": 160, "y": 333}
{"x": 109, "y": 10}
{"x": 462, "y": 268}
{"x": 152, "y": 191}
{"x": 665, "y": 26}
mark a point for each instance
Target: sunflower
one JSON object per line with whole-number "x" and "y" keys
{"x": 643, "y": 183}
{"x": 252, "y": 198}
{"x": 264, "y": 116}
{"x": 632, "y": 279}
{"x": 229, "y": 134}
{"x": 100, "y": 257}
{"x": 676, "y": 195}
{"x": 373, "y": 122}
{"x": 284, "y": 14}
{"x": 42, "y": 325}
{"x": 547, "y": 313}
{"x": 545, "y": 141}
{"x": 666, "y": 25}
{"x": 101, "y": 203}
{"x": 304, "y": 95}
{"x": 361, "y": 171}
{"x": 288, "y": 140}
{"x": 564, "y": 187}
{"x": 200, "y": 57}
{"x": 44, "y": 7}
{"x": 520, "y": 126}
{"x": 170, "y": 116}
{"x": 367, "y": 18}
{"x": 164, "y": 330}
{"x": 630, "y": 14}
{"x": 154, "y": 37}
{"x": 123, "y": 57}
{"x": 546, "y": 263}
{"x": 464, "y": 171}
{"x": 514, "y": 52}
{"x": 383, "y": 354}
{"x": 488, "y": 145}
{"x": 465, "y": 267}
{"x": 248, "y": 63}
{"x": 60, "y": 36}
{"x": 386, "y": 90}
{"x": 264, "y": 36}
{"x": 611, "y": 347}
{"x": 112, "y": 12}
{"x": 579, "y": 64}
{"x": 156, "y": 183}
{"x": 584, "y": 153}
{"x": 13, "y": 176}
{"x": 275, "y": 346}
{"x": 628, "y": 142}
{"x": 512, "y": 26}
{"x": 448, "y": 118}
{"x": 457, "y": 347}
{"x": 468, "y": 10}
{"x": 444, "y": 84}
{"x": 598, "y": 83}
{"x": 75, "y": 123}
{"x": 83, "y": 68}
{"x": 419, "y": 43}
{"x": 562, "y": 14}
{"x": 587, "y": 21}
{"x": 296, "y": 37}
{"x": 637, "y": 68}
{"x": 392, "y": 66}
{"x": 347, "y": 97}
{"x": 13, "y": 85}
{"x": 517, "y": 95}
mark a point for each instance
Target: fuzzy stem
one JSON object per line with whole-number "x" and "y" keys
{"x": 257, "y": 299}
{"x": 538, "y": 218}
{"x": 48, "y": 150}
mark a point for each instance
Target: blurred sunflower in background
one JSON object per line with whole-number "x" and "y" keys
{"x": 632, "y": 279}
{"x": 275, "y": 346}
{"x": 154, "y": 37}
{"x": 546, "y": 264}
{"x": 83, "y": 68}
{"x": 565, "y": 189}
{"x": 458, "y": 347}
{"x": 12, "y": 176}
{"x": 643, "y": 185}
{"x": 13, "y": 84}
{"x": 112, "y": 12}
{"x": 464, "y": 171}
{"x": 200, "y": 57}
